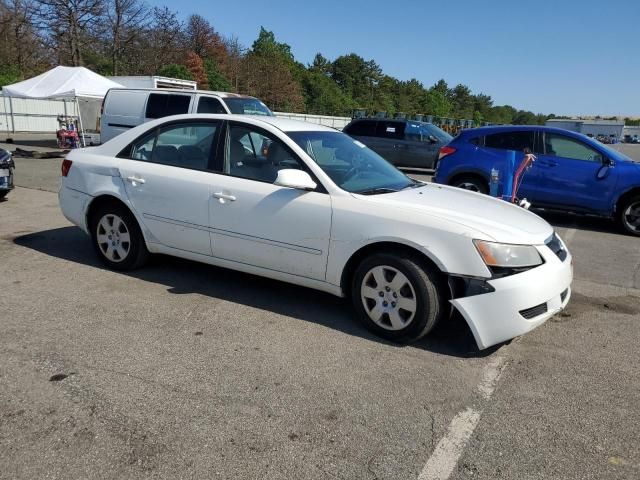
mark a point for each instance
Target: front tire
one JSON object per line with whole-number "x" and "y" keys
{"x": 629, "y": 216}
{"x": 397, "y": 296}
{"x": 117, "y": 238}
{"x": 3, "y": 194}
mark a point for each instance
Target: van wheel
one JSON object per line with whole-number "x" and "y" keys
{"x": 629, "y": 216}
{"x": 117, "y": 238}
{"x": 396, "y": 296}
{"x": 473, "y": 183}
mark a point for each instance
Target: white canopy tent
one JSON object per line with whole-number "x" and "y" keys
{"x": 63, "y": 83}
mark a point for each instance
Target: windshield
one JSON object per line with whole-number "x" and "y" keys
{"x": 350, "y": 164}
{"x": 247, "y": 106}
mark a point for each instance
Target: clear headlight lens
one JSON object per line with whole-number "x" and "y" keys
{"x": 508, "y": 256}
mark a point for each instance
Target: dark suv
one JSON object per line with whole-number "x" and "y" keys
{"x": 404, "y": 143}
{"x": 6, "y": 173}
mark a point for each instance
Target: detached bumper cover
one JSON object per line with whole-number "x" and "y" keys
{"x": 495, "y": 317}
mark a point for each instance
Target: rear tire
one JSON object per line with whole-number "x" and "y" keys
{"x": 117, "y": 237}
{"x": 629, "y": 216}
{"x": 3, "y": 194}
{"x": 397, "y": 296}
{"x": 473, "y": 183}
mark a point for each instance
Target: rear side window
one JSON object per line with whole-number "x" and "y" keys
{"x": 363, "y": 128}
{"x": 187, "y": 145}
{"x": 162, "y": 105}
{"x": 210, "y": 105}
{"x": 390, "y": 130}
{"x": 517, "y": 141}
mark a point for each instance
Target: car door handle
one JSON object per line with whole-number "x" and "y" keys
{"x": 135, "y": 180}
{"x": 224, "y": 196}
{"x": 399, "y": 145}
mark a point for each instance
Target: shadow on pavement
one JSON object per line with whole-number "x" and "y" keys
{"x": 452, "y": 337}
{"x": 580, "y": 222}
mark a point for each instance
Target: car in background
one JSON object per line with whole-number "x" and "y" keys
{"x": 125, "y": 108}
{"x": 572, "y": 172}
{"x": 6, "y": 172}
{"x": 320, "y": 210}
{"x": 404, "y": 143}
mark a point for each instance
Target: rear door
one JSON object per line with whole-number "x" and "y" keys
{"x": 498, "y": 146}
{"x": 167, "y": 177}
{"x": 390, "y": 143}
{"x": 566, "y": 175}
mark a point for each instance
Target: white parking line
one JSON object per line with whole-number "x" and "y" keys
{"x": 445, "y": 456}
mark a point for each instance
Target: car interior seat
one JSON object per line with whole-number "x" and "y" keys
{"x": 192, "y": 157}
{"x": 165, "y": 154}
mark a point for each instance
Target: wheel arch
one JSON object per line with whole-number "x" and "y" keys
{"x": 473, "y": 172}
{"x": 631, "y": 192}
{"x": 111, "y": 199}
{"x": 384, "y": 246}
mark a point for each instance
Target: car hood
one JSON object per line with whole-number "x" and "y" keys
{"x": 496, "y": 219}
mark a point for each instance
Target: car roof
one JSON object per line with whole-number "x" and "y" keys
{"x": 189, "y": 91}
{"x": 284, "y": 124}
{"x": 509, "y": 128}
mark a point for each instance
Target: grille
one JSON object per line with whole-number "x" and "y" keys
{"x": 533, "y": 312}
{"x": 556, "y": 247}
{"x": 563, "y": 295}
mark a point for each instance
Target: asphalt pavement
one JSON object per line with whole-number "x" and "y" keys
{"x": 182, "y": 370}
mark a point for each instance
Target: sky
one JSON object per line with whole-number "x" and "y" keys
{"x": 568, "y": 57}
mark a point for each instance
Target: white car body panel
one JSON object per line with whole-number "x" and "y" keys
{"x": 307, "y": 238}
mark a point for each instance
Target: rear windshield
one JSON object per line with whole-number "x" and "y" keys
{"x": 247, "y": 106}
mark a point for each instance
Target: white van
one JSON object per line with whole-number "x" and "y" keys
{"x": 125, "y": 108}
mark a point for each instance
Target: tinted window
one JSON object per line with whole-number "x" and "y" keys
{"x": 161, "y": 105}
{"x": 517, "y": 141}
{"x": 187, "y": 145}
{"x": 363, "y": 128}
{"x": 566, "y": 147}
{"x": 255, "y": 155}
{"x": 390, "y": 130}
{"x": 210, "y": 105}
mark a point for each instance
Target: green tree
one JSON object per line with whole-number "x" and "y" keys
{"x": 174, "y": 70}
{"x": 217, "y": 81}
{"x": 323, "y": 97}
{"x": 8, "y": 75}
{"x": 435, "y": 102}
{"x": 357, "y": 78}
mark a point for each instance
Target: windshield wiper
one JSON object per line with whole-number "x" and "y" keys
{"x": 375, "y": 191}
{"x": 414, "y": 184}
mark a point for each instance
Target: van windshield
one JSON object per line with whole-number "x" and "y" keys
{"x": 247, "y": 106}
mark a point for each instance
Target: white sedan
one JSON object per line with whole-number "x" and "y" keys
{"x": 308, "y": 205}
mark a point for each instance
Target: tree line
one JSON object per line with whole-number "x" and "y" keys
{"x": 127, "y": 37}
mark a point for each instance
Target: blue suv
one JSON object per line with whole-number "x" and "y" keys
{"x": 572, "y": 172}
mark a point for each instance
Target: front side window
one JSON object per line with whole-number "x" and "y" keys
{"x": 255, "y": 155}
{"x": 350, "y": 164}
{"x": 163, "y": 105}
{"x": 518, "y": 141}
{"x": 187, "y": 145}
{"x": 561, "y": 146}
{"x": 247, "y": 106}
{"x": 210, "y": 105}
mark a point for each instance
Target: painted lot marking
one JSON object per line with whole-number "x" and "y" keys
{"x": 445, "y": 456}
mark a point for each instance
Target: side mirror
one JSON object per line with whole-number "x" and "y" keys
{"x": 293, "y": 178}
{"x": 608, "y": 162}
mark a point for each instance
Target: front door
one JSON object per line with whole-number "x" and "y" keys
{"x": 571, "y": 174}
{"x": 167, "y": 179}
{"x": 258, "y": 223}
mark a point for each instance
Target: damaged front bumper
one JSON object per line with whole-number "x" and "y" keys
{"x": 497, "y": 310}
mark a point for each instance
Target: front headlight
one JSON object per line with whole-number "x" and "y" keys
{"x": 508, "y": 256}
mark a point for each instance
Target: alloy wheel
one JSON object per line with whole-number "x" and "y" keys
{"x": 631, "y": 217}
{"x": 469, "y": 186}
{"x": 388, "y": 297}
{"x": 113, "y": 238}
